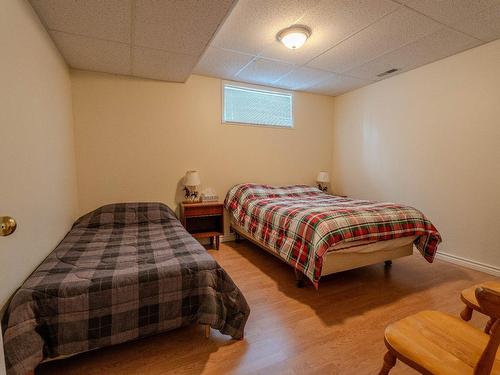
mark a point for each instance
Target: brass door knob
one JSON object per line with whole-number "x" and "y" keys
{"x": 7, "y": 225}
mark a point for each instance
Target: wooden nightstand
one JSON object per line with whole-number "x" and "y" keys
{"x": 204, "y": 220}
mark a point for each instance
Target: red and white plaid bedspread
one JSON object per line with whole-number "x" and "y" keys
{"x": 301, "y": 223}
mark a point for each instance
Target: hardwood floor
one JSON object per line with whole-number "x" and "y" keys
{"x": 335, "y": 330}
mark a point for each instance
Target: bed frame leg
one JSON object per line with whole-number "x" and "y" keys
{"x": 300, "y": 278}
{"x": 237, "y": 237}
{"x": 388, "y": 263}
{"x": 207, "y": 331}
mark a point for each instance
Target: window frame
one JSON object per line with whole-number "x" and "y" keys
{"x": 268, "y": 89}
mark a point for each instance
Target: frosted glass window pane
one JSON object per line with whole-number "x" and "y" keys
{"x": 252, "y": 106}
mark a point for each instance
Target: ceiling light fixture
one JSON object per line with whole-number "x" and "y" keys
{"x": 294, "y": 37}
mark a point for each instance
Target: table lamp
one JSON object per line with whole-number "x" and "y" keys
{"x": 191, "y": 184}
{"x": 322, "y": 180}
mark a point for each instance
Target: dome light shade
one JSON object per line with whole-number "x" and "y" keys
{"x": 294, "y": 37}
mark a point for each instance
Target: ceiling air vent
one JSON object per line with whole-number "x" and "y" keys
{"x": 387, "y": 72}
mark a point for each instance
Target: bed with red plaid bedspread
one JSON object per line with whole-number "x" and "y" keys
{"x": 301, "y": 222}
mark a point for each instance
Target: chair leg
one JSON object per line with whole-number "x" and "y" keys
{"x": 488, "y": 326}
{"x": 389, "y": 363}
{"x": 466, "y": 314}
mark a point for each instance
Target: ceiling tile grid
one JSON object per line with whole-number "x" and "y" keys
{"x": 302, "y": 78}
{"x": 448, "y": 12}
{"x": 148, "y": 38}
{"x": 484, "y": 25}
{"x": 391, "y": 32}
{"x": 108, "y": 19}
{"x": 438, "y": 45}
{"x": 253, "y": 24}
{"x": 331, "y": 22}
{"x": 352, "y": 41}
{"x": 264, "y": 71}
{"x": 93, "y": 54}
{"x": 162, "y": 65}
{"x": 177, "y": 26}
{"x": 221, "y": 63}
{"x": 338, "y": 84}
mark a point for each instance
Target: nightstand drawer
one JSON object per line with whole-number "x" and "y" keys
{"x": 205, "y": 210}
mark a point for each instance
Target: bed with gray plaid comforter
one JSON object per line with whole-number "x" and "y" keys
{"x": 124, "y": 271}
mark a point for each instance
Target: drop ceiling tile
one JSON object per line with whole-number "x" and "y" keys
{"x": 449, "y": 11}
{"x": 350, "y": 38}
{"x": 81, "y": 52}
{"x": 263, "y": 71}
{"x": 442, "y": 43}
{"x": 162, "y": 65}
{"x": 338, "y": 84}
{"x": 109, "y": 20}
{"x": 391, "y": 32}
{"x": 484, "y": 25}
{"x": 178, "y": 26}
{"x": 303, "y": 77}
{"x": 221, "y": 63}
{"x": 253, "y": 24}
{"x": 331, "y": 22}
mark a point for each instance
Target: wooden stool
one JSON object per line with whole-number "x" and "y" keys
{"x": 468, "y": 297}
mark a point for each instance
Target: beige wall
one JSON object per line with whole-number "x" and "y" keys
{"x": 37, "y": 171}
{"x": 136, "y": 138}
{"x": 430, "y": 138}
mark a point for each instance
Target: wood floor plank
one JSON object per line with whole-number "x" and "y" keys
{"x": 335, "y": 330}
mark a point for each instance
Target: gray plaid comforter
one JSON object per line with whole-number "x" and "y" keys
{"x": 124, "y": 271}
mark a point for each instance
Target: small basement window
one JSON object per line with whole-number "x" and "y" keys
{"x": 244, "y": 104}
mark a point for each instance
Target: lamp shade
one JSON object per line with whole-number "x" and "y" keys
{"x": 192, "y": 178}
{"x": 323, "y": 177}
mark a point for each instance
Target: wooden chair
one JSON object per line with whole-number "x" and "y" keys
{"x": 436, "y": 343}
{"x": 468, "y": 297}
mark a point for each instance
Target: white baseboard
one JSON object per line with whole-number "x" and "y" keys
{"x": 464, "y": 262}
